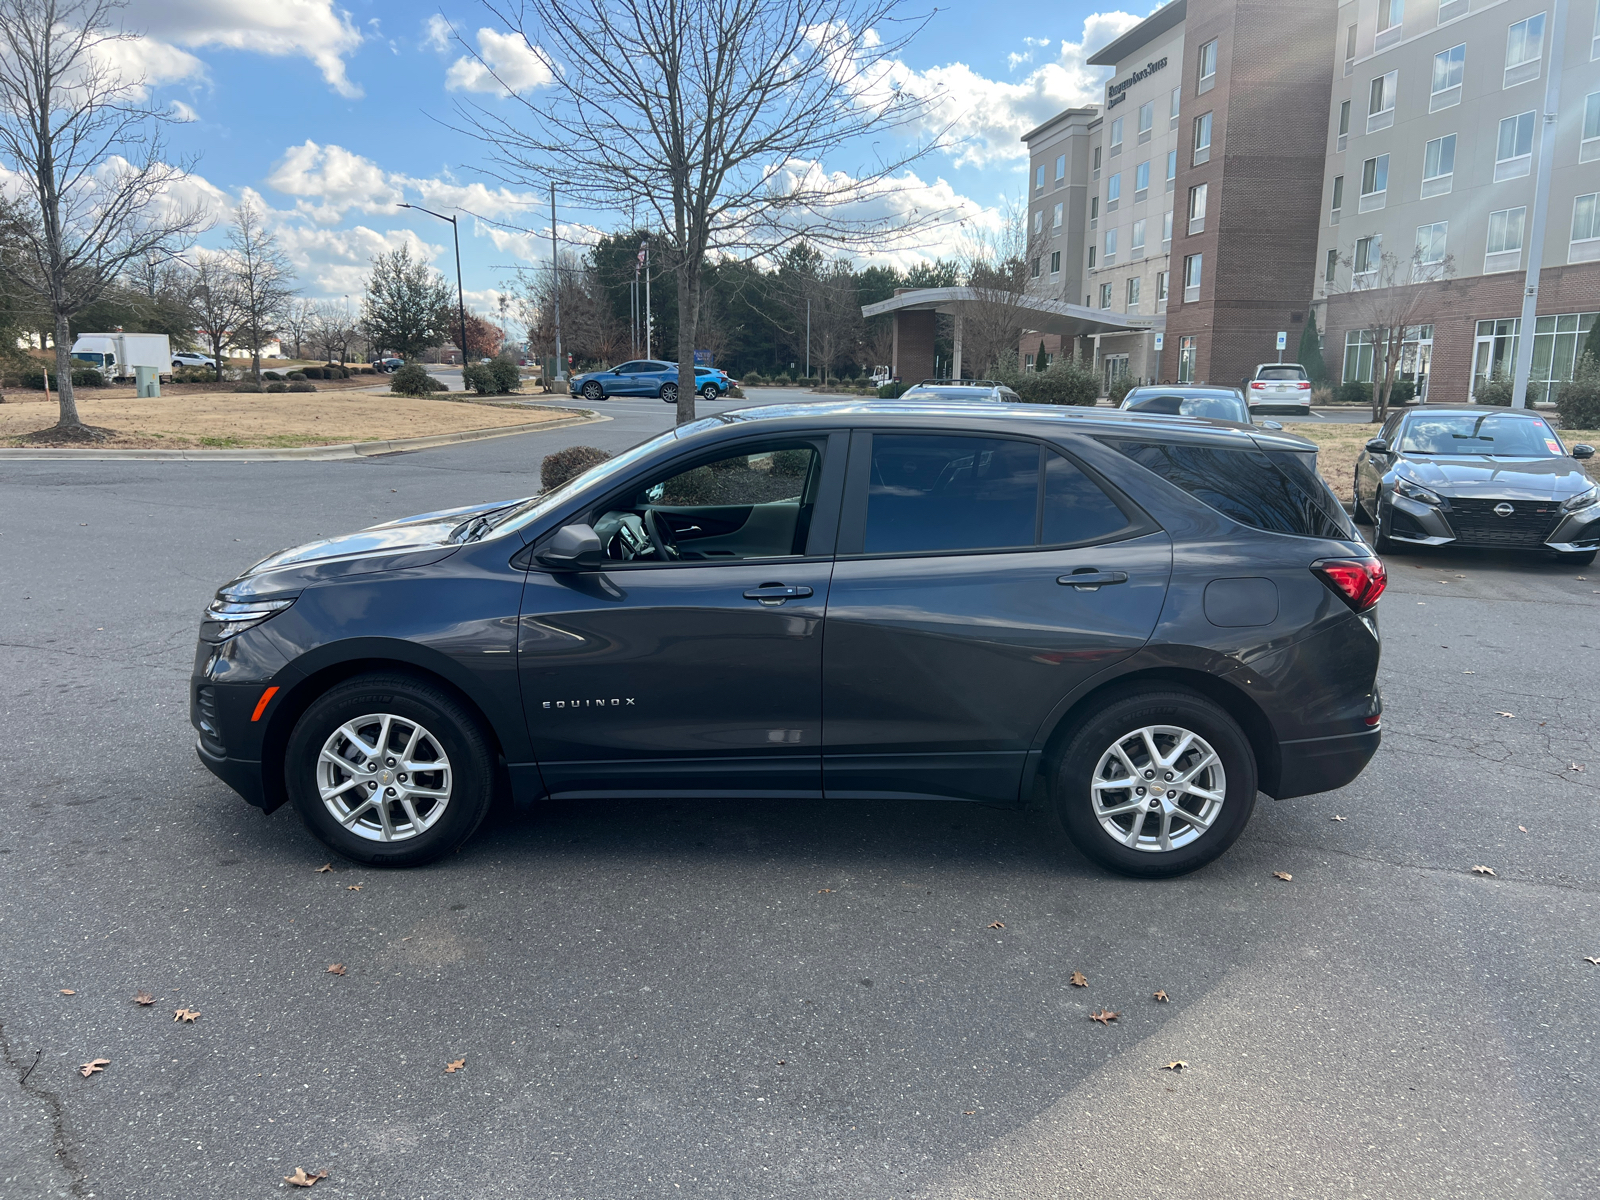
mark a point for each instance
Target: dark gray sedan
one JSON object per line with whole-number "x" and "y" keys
{"x": 1475, "y": 476}
{"x": 1190, "y": 400}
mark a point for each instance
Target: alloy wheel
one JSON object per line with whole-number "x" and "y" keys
{"x": 1158, "y": 788}
{"x": 669, "y": 392}
{"x": 384, "y": 778}
{"x": 591, "y": 391}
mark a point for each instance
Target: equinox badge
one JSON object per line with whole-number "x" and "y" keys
{"x": 623, "y": 702}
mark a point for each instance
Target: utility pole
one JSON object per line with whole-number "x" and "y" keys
{"x": 1541, "y": 205}
{"x": 644, "y": 249}
{"x": 555, "y": 267}
{"x": 808, "y": 339}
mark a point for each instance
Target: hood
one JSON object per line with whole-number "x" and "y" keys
{"x": 1475, "y": 476}
{"x": 409, "y": 542}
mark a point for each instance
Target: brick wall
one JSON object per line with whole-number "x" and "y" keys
{"x": 914, "y": 332}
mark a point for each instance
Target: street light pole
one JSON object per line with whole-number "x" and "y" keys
{"x": 461, "y": 300}
{"x": 1541, "y": 206}
{"x": 555, "y": 267}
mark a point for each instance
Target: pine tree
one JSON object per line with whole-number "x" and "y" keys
{"x": 1591, "y": 344}
{"x": 1310, "y": 352}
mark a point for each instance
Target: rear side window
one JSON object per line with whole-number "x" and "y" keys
{"x": 1276, "y": 490}
{"x": 930, "y": 492}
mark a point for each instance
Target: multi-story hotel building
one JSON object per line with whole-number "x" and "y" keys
{"x": 1432, "y": 154}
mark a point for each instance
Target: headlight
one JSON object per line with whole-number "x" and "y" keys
{"x": 225, "y": 618}
{"x": 1415, "y": 491}
{"x": 1584, "y": 499}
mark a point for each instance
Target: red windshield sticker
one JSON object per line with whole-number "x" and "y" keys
{"x": 1552, "y": 445}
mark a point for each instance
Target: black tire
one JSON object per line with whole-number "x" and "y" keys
{"x": 710, "y": 392}
{"x": 1357, "y": 511}
{"x": 593, "y": 391}
{"x": 1380, "y": 540}
{"x": 1070, "y": 809}
{"x": 458, "y": 734}
{"x": 669, "y": 392}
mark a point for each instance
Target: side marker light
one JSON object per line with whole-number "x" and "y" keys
{"x": 261, "y": 704}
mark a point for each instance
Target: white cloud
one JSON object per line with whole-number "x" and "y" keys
{"x": 504, "y": 55}
{"x": 438, "y": 33}
{"x": 336, "y": 262}
{"x": 338, "y": 178}
{"x": 313, "y": 29}
{"x": 182, "y": 112}
{"x": 151, "y": 61}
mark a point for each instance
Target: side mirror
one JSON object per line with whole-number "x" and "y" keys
{"x": 1271, "y": 425}
{"x": 574, "y": 548}
{"x": 1583, "y": 450}
{"x": 1377, "y": 446}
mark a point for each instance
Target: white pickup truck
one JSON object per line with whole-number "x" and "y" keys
{"x": 117, "y": 354}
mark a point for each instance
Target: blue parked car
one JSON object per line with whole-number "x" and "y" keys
{"x": 647, "y": 377}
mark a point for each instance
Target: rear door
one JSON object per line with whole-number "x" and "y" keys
{"x": 954, "y": 626}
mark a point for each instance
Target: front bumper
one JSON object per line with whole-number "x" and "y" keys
{"x": 241, "y": 775}
{"x": 1473, "y": 522}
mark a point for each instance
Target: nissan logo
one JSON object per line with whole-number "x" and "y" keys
{"x": 1503, "y": 510}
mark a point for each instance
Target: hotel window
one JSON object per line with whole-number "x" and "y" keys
{"x": 1027, "y": 362}
{"x": 1166, "y": 230}
{"x": 1136, "y": 245}
{"x": 1449, "y": 10}
{"x": 1358, "y": 347}
{"x": 1504, "y": 251}
{"x": 1038, "y": 178}
{"x": 1438, "y": 166}
{"x": 1585, "y": 245}
{"x": 1161, "y": 291}
{"x": 1513, "y": 156}
{"x": 1369, "y": 255}
{"x": 1133, "y": 295}
{"x": 1091, "y": 263}
{"x": 1208, "y": 67}
{"x": 1390, "y": 14}
{"x": 1191, "y": 278}
{"x": 1033, "y": 268}
{"x": 1097, "y": 162}
{"x": 1594, "y": 45}
{"x": 1055, "y": 262}
{"x": 1429, "y": 260}
{"x": 1374, "y": 183}
{"x": 1141, "y": 181}
{"x": 1147, "y": 120}
{"x": 1448, "y": 68}
{"x": 1197, "y": 209}
{"x": 1061, "y": 167}
{"x": 1380, "y": 101}
{"x": 1111, "y": 248}
{"x": 1524, "y": 49}
{"x": 1333, "y": 265}
{"x": 1094, "y": 210}
{"x": 1172, "y": 114}
{"x": 1105, "y": 295}
{"x": 1338, "y": 199}
{"x": 1589, "y": 148}
{"x": 1056, "y": 217}
{"x": 1038, "y": 222}
{"x": 1116, "y": 136}
{"x": 1350, "y": 50}
{"x": 1202, "y": 139}
{"x": 1113, "y": 192}
{"x": 1344, "y": 124}
{"x": 1188, "y": 358}
{"x": 1172, "y": 169}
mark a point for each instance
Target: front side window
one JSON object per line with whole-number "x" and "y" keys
{"x": 933, "y": 492}
{"x": 1513, "y": 157}
{"x": 1202, "y": 139}
{"x": 1208, "y": 66}
{"x": 1505, "y": 230}
{"x": 751, "y": 505}
{"x": 1524, "y": 49}
{"x": 1141, "y": 178}
{"x": 1147, "y": 117}
{"x": 1430, "y": 242}
{"x": 1369, "y": 254}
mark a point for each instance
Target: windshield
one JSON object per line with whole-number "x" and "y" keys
{"x": 1218, "y": 408}
{"x": 89, "y": 356}
{"x": 949, "y": 393}
{"x": 1499, "y": 435}
{"x": 532, "y": 510}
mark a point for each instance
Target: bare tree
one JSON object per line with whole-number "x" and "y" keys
{"x": 713, "y": 117}
{"x": 1002, "y": 268}
{"x": 330, "y": 329}
{"x": 93, "y": 178}
{"x": 295, "y": 325}
{"x": 1387, "y": 303}
{"x": 821, "y": 304}
{"x": 265, "y": 280}
{"x": 219, "y": 303}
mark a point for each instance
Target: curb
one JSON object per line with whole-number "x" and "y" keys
{"x": 345, "y": 450}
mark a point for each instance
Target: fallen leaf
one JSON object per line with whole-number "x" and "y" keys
{"x": 452, "y": 1068}
{"x": 1575, "y": 767}
{"x": 969, "y": 1112}
{"x": 144, "y": 998}
{"x": 1469, "y": 672}
{"x": 336, "y": 969}
{"x": 824, "y": 891}
{"x": 1079, "y": 979}
{"x": 185, "y": 1014}
{"x": 328, "y": 866}
{"x": 301, "y": 1179}
{"x": 1480, "y": 869}
{"x": 1524, "y": 828}
{"x": 1283, "y": 875}
{"x": 992, "y": 925}
{"x": 68, "y": 992}
{"x": 1595, "y": 961}
{"x": 1336, "y": 817}
{"x": 1104, "y": 1016}
{"x": 783, "y": 1062}
{"x": 1176, "y": 1064}
{"x": 89, "y": 1068}
{"x": 1161, "y": 996}
{"x": 354, "y": 887}
{"x": 1504, "y": 714}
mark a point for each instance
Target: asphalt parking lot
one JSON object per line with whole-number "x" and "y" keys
{"x": 714, "y": 999}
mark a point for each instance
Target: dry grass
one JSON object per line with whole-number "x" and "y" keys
{"x": 233, "y": 420}
{"x": 1340, "y": 444}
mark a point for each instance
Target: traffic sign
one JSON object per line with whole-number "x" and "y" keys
{"x": 1283, "y": 339}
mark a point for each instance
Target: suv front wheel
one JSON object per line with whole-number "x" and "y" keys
{"x": 1156, "y": 784}
{"x": 388, "y": 770}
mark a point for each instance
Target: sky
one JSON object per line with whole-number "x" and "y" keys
{"x": 328, "y": 116}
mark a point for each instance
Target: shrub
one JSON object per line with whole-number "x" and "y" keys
{"x": 277, "y": 386}
{"x": 753, "y": 379}
{"x": 1321, "y": 394}
{"x": 477, "y": 378}
{"x": 311, "y": 372}
{"x": 1404, "y": 391}
{"x": 413, "y": 380}
{"x": 1578, "y": 402}
{"x": 1065, "y": 381}
{"x": 81, "y": 377}
{"x": 368, "y": 370}
{"x": 247, "y": 387}
{"x": 1120, "y": 387}
{"x": 1353, "y": 392}
{"x": 300, "y": 385}
{"x": 506, "y": 374}
{"x": 734, "y": 393}
{"x": 556, "y": 469}
{"x": 892, "y": 391}
{"x": 499, "y": 377}
{"x": 271, "y": 376}
{"x": 335, "y": 371}
{"x": 1496, "y": 389}
{"x": 295, "y": 376}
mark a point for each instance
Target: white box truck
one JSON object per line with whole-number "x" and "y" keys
{"x": 118, "y": 354}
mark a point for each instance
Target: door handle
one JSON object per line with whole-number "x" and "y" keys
{"x": 1089, "y": 580}
{"x": 776, "y": 593}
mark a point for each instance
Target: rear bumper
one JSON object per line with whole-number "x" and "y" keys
{"x": 242, "y": 776}
{"x": 1323, "y": 764}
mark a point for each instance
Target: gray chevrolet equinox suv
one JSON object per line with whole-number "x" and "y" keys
{"x": 1133, "y": 623}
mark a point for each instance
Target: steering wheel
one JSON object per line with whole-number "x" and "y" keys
{"x": 661, "y": 537}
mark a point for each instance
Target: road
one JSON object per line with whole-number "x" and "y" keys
{"x": 719, "y": 999}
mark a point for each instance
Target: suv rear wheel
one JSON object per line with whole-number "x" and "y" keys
{"x": 1156, "y": 784}
{"x": 388, "y": 770}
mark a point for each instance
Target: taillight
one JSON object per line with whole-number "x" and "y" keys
{"x": 1359, "y": 580}
{"x": 1304, "y": 385}
{"x": 1256, "y": 383}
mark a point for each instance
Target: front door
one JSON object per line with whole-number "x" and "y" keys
{"x": 692, "y": 664}
{"x": 951, "y": 636}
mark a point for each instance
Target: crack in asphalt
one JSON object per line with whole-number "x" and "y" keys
{"x": 64, "y": 1156}
{"x": 1586, "y": 888}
